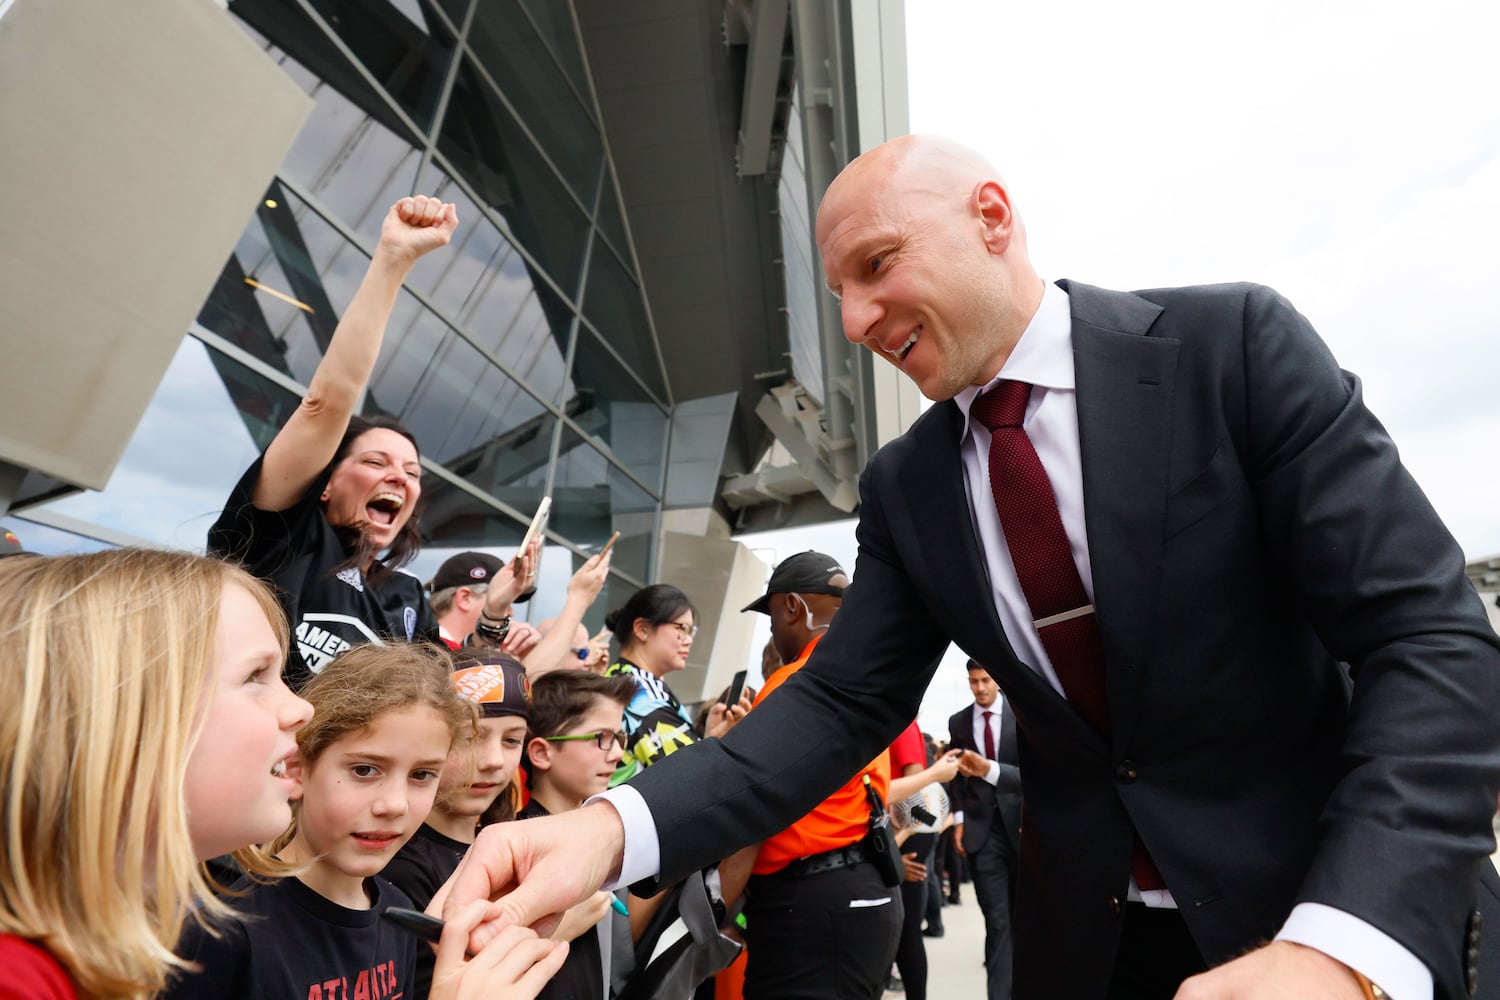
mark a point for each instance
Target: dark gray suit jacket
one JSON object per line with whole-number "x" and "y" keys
{"x": 985, "y": 805}
{"x": 1251, "y": 528}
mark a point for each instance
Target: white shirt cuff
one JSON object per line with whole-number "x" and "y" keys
{"x": 642, "y": 847}
{"x": 1364, "y": 948}
{"x": 958, "y": 815}
{"x": 992, "y": 776}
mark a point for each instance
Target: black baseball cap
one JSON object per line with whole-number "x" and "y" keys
{"x": 804, "y": 573}
{"x": 467, "y": 569}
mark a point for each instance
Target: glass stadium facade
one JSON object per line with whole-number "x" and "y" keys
{"x": 521, "y": 356}
{"x": 525, "y": 356}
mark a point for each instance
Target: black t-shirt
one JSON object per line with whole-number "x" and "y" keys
{"x": 582, "y": 974}
{"x": 286, "y": 942}
{"x": 419, "y": 869}
{"x": 296, "y": 550}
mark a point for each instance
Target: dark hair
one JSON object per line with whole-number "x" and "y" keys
{"x": 559, "y": 698}
{"x": 658, "y": 604}
{"x": 361, "y": 550}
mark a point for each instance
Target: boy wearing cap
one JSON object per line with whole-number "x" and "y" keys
{"x": 476, "y": 775}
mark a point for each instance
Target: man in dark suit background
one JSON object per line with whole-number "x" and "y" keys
{"x": 989, "y": 833}
{"x": 1289, "y": 729}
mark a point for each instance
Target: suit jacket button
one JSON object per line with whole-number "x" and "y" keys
{"x": 1125, "y": 771}
{"x": 1113, "y": 902}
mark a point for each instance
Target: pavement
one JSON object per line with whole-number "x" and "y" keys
{"x": 955, "y": 961}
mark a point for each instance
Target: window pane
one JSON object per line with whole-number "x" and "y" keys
{"x": 291, "y": 277}
{"x": 607, "y": 404}
{"x": 355, "y": 163}
{"x": 612, "y": 224}
{"x": 463, "y": 410}
{"x": 591, "y": 499}
{"x": 613, "y": 303}
{"x": 481, "y": 140}
{"x": 515, "y": 56}
{"x": 486, "y": 285}
{"x": 408, "y": 61}
{"x": 555, "y": 23}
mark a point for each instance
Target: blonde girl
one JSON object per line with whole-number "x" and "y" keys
{"x": 366, "y": 771}
{"x": 113, "y": 666}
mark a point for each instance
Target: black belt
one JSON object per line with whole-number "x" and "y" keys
{"x": 814, "y": 864}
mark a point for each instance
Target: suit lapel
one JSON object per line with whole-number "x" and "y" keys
{"x": 1125, "y": 383}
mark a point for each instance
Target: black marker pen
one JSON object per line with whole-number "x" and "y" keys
{"x": 415, "y": 923}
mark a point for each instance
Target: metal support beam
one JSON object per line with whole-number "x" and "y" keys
{"x": 767, "y": 46}
{"x": 797, "y": 423}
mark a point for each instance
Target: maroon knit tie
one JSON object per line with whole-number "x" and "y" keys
{"x": 1045, "y": 568}
{"x": 989, "y": 735}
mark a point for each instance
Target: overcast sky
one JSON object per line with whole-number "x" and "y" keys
{"x": 1347, "y": 154}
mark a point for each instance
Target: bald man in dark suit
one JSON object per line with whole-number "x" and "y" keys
{"x": 1263, "y": 737}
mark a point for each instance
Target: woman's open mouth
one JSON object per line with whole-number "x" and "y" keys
{"x": 384, "y": 507}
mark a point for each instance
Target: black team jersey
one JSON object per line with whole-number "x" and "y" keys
{"x": 297, "y": 551}
{"x": 286, "y": 942}
{"x": 419, "y": 869}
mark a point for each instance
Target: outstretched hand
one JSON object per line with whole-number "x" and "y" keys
{"x": 535, "y": 869}
{"x": 973, "y": 765}
{"x": 945, "y": 768}
{"x": 417, "y": 225}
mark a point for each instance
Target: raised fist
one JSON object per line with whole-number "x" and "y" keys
{"x": 417, "y": 225}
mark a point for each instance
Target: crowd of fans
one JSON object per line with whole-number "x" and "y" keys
{"x": 224, "y": 772}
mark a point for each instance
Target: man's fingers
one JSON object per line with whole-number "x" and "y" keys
{"x": 460, "y": 923}
{"x": 531, "y": 904}
{"x": 481, "y": 876}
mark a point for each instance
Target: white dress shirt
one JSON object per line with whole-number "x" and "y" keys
{"x": 1044, "y": 357}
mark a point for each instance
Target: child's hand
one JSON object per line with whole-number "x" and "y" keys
{"x": 583, "y": 917}
{"x": 515, "y": 965}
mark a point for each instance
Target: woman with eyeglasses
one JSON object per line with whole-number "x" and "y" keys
{"x": 656, "y": 627}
